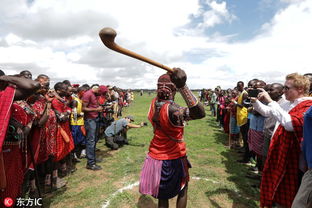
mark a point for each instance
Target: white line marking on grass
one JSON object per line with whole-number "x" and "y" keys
{"x": 107, "y": 203}
{"x": 205, "y": 179}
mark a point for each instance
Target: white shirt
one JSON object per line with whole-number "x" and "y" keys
{"x": 279, "y": 111}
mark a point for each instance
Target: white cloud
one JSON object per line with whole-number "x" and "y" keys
{"x": 217, "y": 15}
{"x": 60, "y": 38}
{"x": 291, "y": 1}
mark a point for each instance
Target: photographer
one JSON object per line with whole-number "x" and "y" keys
{"x": 256, "y": 125}
{"x": 116, "y": 133}
{"x": 279, "y": 185}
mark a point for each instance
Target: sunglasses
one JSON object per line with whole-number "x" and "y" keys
{"x": 286, "y": 88}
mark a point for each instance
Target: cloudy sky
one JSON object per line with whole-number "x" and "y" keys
{"x": 217, "y": 42}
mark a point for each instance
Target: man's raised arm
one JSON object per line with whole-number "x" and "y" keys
{"x": 197, "y": 110}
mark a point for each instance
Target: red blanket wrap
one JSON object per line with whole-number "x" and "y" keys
{"x": 6, "y": 101}
{"x": 62, "y": 148}
{"x": 280, "y": 174}
{"x": 14, "y": 171}
{"x": 44, "y": 139}
{"x": 14, "y": 156}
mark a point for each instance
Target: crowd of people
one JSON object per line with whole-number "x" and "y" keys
{"x": 269, "y": 124}
{"x": 45, "y": 131}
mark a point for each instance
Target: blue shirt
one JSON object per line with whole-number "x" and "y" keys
{"x": 256, "y": 122}
{"x": 307, "y": 137}
{"x": 116, "y": 127}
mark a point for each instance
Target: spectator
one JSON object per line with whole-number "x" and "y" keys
{"x": 213, "y": 103}
{"x": 281, "y": 173}
{"x": 77, "y": 124}
{"x": 12, "y": 167}
{"x": 116, "y": 133}
{"x": 242, "y": 120}
{"x": 64, "y": 139}
{"x": 91, "y": 109}
{"x": 303, "y": 197}
{"x": 26, "y": 74}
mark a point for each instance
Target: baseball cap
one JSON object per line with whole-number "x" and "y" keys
{"x": 130, "y": 117}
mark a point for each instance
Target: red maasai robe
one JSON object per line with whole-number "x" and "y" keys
{"x": 226, "y": 119}
{"x": 50, "y": 133}
{"x": 6, "y": 101}
{"x": 62, "y": 148}
{"x": 280, "y": 174}
{"x": 167, "y": 143}
{"x": 14, "y": 155}
{"x": 44, "y": 139}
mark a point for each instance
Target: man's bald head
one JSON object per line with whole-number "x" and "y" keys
{"x": 26, "y": 74}
{"x": 276, "y": 91}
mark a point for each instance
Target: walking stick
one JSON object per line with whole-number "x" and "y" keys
{"x": 108, "y": 35}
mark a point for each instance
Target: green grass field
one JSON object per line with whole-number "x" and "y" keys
{"x": 217, "y": 180}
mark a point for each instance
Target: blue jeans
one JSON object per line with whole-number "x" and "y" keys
{"x": 213, "y": 109}
{"x": 91, "y": 129}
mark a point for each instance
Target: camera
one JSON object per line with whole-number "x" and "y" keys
{"x": 253, "y": 92}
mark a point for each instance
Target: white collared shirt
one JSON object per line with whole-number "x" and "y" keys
{"x": 279, "y": 111}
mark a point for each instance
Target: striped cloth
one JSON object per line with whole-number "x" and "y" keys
{"x": 150, "y": 176}
{"x": 164, "y": 179}
{"x": 255, "y": 141}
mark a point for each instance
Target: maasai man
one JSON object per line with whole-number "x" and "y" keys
{"x": 233, "y": 127}
{"x": 64, "y": 139}
{"x": 165, "y": 171}
{"x": 27, "y": 74}
{"x": 43, "y": 135}
{"x": 13, "y": 131}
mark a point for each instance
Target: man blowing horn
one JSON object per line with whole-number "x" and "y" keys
{"x": 165, "y": 170}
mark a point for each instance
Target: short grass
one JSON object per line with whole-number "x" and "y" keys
{"x": 217, "y": 179}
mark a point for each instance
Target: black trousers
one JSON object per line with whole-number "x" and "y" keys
{"x": 244, "y": 131}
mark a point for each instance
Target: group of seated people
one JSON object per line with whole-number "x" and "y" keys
{"x": 271, "y": 120}
{"x": 44, "y": 131}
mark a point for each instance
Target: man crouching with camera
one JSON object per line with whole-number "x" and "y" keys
{"x": 116, "y": 133}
